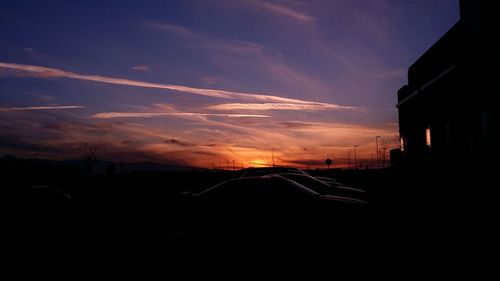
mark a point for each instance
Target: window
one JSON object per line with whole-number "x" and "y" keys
{"x": 428, "y": 136}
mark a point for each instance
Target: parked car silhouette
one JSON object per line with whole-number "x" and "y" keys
{"x": 277, "y": 170}
{"x": 271, "y": 214}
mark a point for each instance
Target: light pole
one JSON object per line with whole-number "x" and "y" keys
{"x": 376, "y": 147}
{"x": 349, "y": 162}
{"x": 355, "y": 161}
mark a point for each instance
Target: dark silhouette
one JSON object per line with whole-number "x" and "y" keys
{"x": 435, "y": 207}
{"x": 89, "y": 153}
{"x": 328, "y": 162}
{"x": 273, "y": 219}
{"x": 447, "y": 121}
{"x": 448, "y": 124}
{"x": 324, "y": 188}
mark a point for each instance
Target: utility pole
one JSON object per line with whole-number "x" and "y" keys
{"x": 349, "y": 162}
{"x": 355, "y": 160}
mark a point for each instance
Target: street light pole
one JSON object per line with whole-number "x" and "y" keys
{"x": 349, "y": 162}
{"x": 376, "y": 147}
{"x": 355, "y": 161}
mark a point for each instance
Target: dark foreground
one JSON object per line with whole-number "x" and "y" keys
{"x": 69, "y": 224}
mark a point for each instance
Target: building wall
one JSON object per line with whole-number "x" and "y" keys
{"x": 450, "y": 90}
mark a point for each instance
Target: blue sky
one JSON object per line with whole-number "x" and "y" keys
{"x": 199, "y": 82}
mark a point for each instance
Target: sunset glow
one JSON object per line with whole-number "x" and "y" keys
{"x": 218, "y": 85}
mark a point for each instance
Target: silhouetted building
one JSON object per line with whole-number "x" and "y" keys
{"x": 396, "y": 156}
{"x": 446, "y": 111}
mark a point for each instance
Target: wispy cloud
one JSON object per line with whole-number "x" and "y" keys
{"x": 42, "y": 97}
{"x": 29, "y": 52}
{"x": 132, "y": 142}
{"x": 296, "y": 124}
{"x": 172, "y": 28}
{"x": 141, "y": 68}
{"x": 284, "y": 11}
{"x": 278, "y": 106}
{"x": 178, "y": 142}
{"x": 188, "y": 143}
{"x": 209, "y": 80}
{"x": 203, "y": 41}
{"x": 27, "y": 108}
{"x": 109, "y": 115}
{"x": 46, "y": 72}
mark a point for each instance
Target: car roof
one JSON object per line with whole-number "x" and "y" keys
{"x": 258, "y": 178}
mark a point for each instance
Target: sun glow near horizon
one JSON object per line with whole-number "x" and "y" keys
{"x": 174, "y": 86}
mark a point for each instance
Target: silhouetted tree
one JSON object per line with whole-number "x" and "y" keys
{"x": 276, "y": 159}
{"x": 88, "y": 153}
{"x": 384, "y": 148}
{"x": 328, "y": 162}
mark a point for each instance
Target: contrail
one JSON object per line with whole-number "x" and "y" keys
{"x": 273, "y": 106}
{"x": 47, "y": 72}
{"x": 41, "y": 108}
{"x": 108, "y": 115}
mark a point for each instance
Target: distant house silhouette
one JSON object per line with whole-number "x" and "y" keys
{"x": 446, "y": 120}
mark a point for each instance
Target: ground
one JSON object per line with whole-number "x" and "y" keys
{"x": 72, "y": 223}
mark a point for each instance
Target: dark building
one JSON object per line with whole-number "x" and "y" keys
{"x": 447, "y": 118}
{"x": 396, "y": 157}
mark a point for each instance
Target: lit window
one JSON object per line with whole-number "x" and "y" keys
{"x": 402, "y": 144}
{"x": 428, "y": 136}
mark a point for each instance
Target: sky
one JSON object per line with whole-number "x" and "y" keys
{"x": 206, "y": 83}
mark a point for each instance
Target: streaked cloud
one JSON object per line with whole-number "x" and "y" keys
{"x": 47, "y": 72}
{"x": 141, "y": 68}
{"x": 203, "y": 141}
{"x": 209, "y": 80}
{"x": 132, "y": 142}
{"x": 172, "y": 28}
{"x": 209, "y": 43}
{"x": 109, "y": 115}
{"x": 42, "y": 97}
{"x": 296, "y": 124}
{"x": 284, "y": 11}
{"x": 278, "y": 106}
{"x": 178, "y": 142}
{"x": 27, "y": 108}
